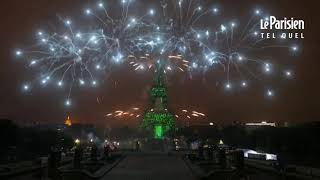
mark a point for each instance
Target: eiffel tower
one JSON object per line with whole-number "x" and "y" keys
{"x": 157, "y": 120}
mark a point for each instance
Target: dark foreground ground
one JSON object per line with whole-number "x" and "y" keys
{"x": 147, "y": 167}
{"x": 157, "y": 166}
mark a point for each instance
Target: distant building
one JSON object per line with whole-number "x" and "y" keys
{"x": 263, "y": 123}
{"x": 81, "y": 131}
{"x": 252, "y": 154}
{"x": 253, "y": 126}
{"x": 68, "y": 122}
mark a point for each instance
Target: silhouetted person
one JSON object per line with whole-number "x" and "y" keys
{"x": 200, "y": 151}
{"x": 239, "y": 159}
{"x": 210, "y": 153}
{"x": 222, "y": 158}
{"x": 281, "y": 164}
{"x": 77, "y": 157}
{"x": 94, "y": 153}
{"x": 137, "y": 146}
{"x": 41, "y": 174}
{"x": 106, "y": 151}
{"x": 59, "y": 156}
{"x": 52, "y": 162}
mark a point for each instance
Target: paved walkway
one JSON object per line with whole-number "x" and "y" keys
{"x": 150, "y": 167}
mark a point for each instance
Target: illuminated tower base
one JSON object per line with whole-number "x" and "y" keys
{"x": 157, "y": 121}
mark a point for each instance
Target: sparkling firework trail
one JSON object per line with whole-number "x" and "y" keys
{"x": 178, "y": 36}
{"x": 133, "y": 113}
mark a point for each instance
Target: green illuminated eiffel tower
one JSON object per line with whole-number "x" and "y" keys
{"x": 157, "y": 120}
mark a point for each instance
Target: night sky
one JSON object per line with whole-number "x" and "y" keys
{"x": 296, "y": 100}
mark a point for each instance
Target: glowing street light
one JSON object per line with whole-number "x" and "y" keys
{"x": 68, "y": 102}
{"x": 88, "y": 11}
{"x": 244, "y": 84}
{"x": 228, "y": 86}
{"x": 151, "y": 12}
{"x": 100, "y": 5}
{"x": 68, "y": 22}
{"x": 60, "y": 83}
{"x": 215, "y": 10}
{"x": 77, "y": 141}
{"x": 270, "y": 93}
{"x": 18, "y": 53}
{"x": 26, "y": 87}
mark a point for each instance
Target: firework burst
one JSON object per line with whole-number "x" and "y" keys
{"x": 178, "y": 36}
